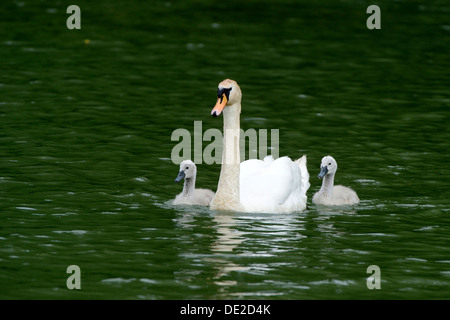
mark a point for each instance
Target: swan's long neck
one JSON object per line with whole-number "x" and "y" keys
{"x": 189, "y": 187}
{"x": 327, "y": 185}
{"x": 227, "y": 194}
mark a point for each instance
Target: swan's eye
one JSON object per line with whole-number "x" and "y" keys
{"x": 187, "y": 168}
{"x": 222, "y": 91}
{"x": 329, "y": 164}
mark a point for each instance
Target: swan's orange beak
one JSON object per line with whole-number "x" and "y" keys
{"x": 220, "y": 104}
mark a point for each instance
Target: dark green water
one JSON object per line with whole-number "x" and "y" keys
{"x": 87, "y": 115}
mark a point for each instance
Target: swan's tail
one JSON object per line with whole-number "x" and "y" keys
{"x": 305, "y": 174}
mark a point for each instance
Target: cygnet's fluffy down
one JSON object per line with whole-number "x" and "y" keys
{"x": 329, "y": 194}
{"x": 190, "y": 195}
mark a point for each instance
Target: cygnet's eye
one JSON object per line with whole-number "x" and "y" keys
{"x": 329, "y": 164}
{"x": 187, "y": 168}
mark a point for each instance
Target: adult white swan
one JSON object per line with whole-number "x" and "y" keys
{"x": 329, "y": 194}
{"x": 272, "y": 186}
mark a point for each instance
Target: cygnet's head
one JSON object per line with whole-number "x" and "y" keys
{"x": 187, "y": 170}
{"x": 327, "y": 166}
{"x": 228, "y": 94}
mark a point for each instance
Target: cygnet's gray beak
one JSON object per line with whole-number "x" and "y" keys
{"x": 323, "y": 172}
{"x": 180, "y": 176}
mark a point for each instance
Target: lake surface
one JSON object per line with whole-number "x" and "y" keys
{"x": 86, "y": 176}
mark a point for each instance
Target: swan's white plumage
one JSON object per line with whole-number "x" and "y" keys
{"x": 190, "y": 195}
{"x": 329, "y": 194}
{"x": 269, "y": 185}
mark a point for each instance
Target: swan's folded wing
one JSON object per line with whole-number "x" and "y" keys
{"x": 305, "y": 175}
{"x": 268, "y": 185}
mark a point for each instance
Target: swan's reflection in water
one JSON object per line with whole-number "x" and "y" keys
{"x": 257, "y": 239}
{"x": 227, "y": 247}
{"x": 228, "y": 238}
